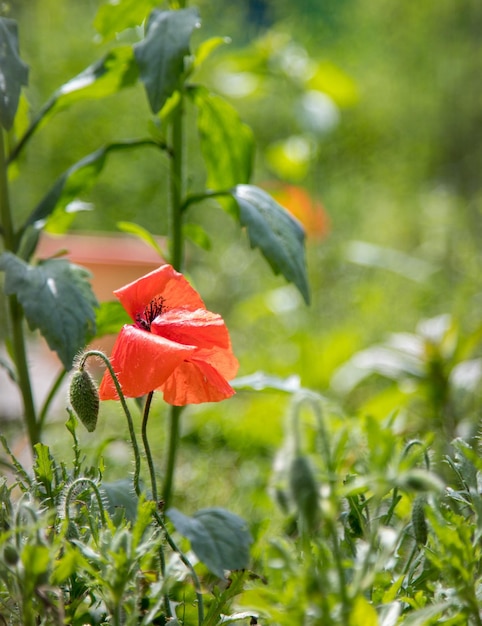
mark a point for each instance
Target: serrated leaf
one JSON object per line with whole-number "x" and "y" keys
{"x": 44, "y": 472}
{"x": 76, "y": 180}
{"x": 13, "y": 72}
{"x": 160, "y": 56}
{"x": 57, "y": 299}
{"x": 110, "y": 317}
{"x": 227, "y": 143}
{"x": 278, "y": 235}
{"x": 220, "y": 539}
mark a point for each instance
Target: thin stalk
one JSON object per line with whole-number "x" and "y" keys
{"x": 15, "y": 309}
{"x": 147, "y": 448}
{"x": 177, "y": 187}
{"x": 176, "y": 241}
{"x": 175, "y": 419}
{"x": 188, "y": 564}
{"x": 48, "y": 400}
{"x": 195, "y": 198}
{"x": 345, "y": 603}
{"x": 132, "y": 434}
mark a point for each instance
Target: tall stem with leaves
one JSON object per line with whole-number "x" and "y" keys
{"x": 14, "y": 308}
{"x": 177, "y": 259}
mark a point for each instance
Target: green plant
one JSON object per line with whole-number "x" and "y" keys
{"x": 79, "y": 558}
{"x": 371, "y": 533}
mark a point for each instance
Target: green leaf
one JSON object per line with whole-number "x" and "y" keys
{"x": 57, "y": 298}
{"x": 44, "y": 472}
{"x": 74, "y": 181}
{"x": 160, "y": 56}
{"x": 116, "y": 70}
{"x": 363, "y": 613}
{"x": 121, "y": 494}
{"x": 227, "y": 143}
{"x": 220, "y": 539}
{"x": 114, "y": 17}
{"x": 197, "y": 234}
{"x": 142, "y": 233}
{"x": 107, "y": 76}
{"x": 36, "y": 561}
{"x": 278, "y": 235}
{"x": 206, "y": 48}
{"x": 109, "y": 318}
{"x": 13, "y": 72}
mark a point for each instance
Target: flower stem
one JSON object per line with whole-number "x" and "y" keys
{"x": 147, "y": 448}
{"x": 175, "y": 419}
{"x": 176, "y": 240}
{"x": 188, "y": 564}
{"x": 132, "y": 434}
{"x": 15, "y": 309}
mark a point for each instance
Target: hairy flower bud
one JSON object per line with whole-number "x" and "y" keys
{"x": 419, "y": 523}
{"x": 304, "y": 491}
{"x": 84, "y": 398}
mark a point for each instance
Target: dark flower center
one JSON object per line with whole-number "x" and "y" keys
{"x": 151, "y": 311}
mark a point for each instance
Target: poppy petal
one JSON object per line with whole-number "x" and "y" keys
{"x": 200, "y": 328}
{"x": 174, "y": 289}
{"x": 223, "y": 361}
{"x": 195, "y": 382}
{"x": 142, "y": 362}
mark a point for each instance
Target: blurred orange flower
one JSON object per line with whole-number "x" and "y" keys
{"x": 301, "y": 205}
{"x": 175, "y": 345}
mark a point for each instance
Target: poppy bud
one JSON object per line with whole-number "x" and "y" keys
{"x": 84, "y": 398}
{"x": 419, "y": 523}
{"x": 304, "y": 491}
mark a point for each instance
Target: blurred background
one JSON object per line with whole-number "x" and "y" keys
{"x": 367, "y": 116}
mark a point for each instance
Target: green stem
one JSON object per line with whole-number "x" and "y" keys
{"x": 188, "y": 564}
{"x": 175, "y": 418}
{"x": 147, "y": 448}
{"x": 15, "y": 309}
{"x": 176, "y": 241}
{"x": 345, "y": 603}
{"x": 195, "y": 198}
{"x": 48, "y": 400}
{"x": 5, "y": 213}
{"x": 73, "y": 491}
{"x": 132, "y": 434}
{"x": 177, "y": 187}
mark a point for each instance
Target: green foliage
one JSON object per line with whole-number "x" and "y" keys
{"x": 162, "y": 54}
{"x": 219, "y": 538}
{"x": 366, "y": 525}
{"x": 57, "y": 298}
{"x": 276, "y": 233}
{"x": 14, "y": 72}
{"x": 219, "y": 125}
{"x": 104, "y": 557}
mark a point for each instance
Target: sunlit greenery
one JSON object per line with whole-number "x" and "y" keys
{"x": 372, "y": 110}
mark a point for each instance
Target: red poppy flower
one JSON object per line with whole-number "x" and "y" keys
{"x": 175, "y": 345}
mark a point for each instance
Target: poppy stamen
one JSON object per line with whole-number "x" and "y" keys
{"x": 151, "y": 311}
